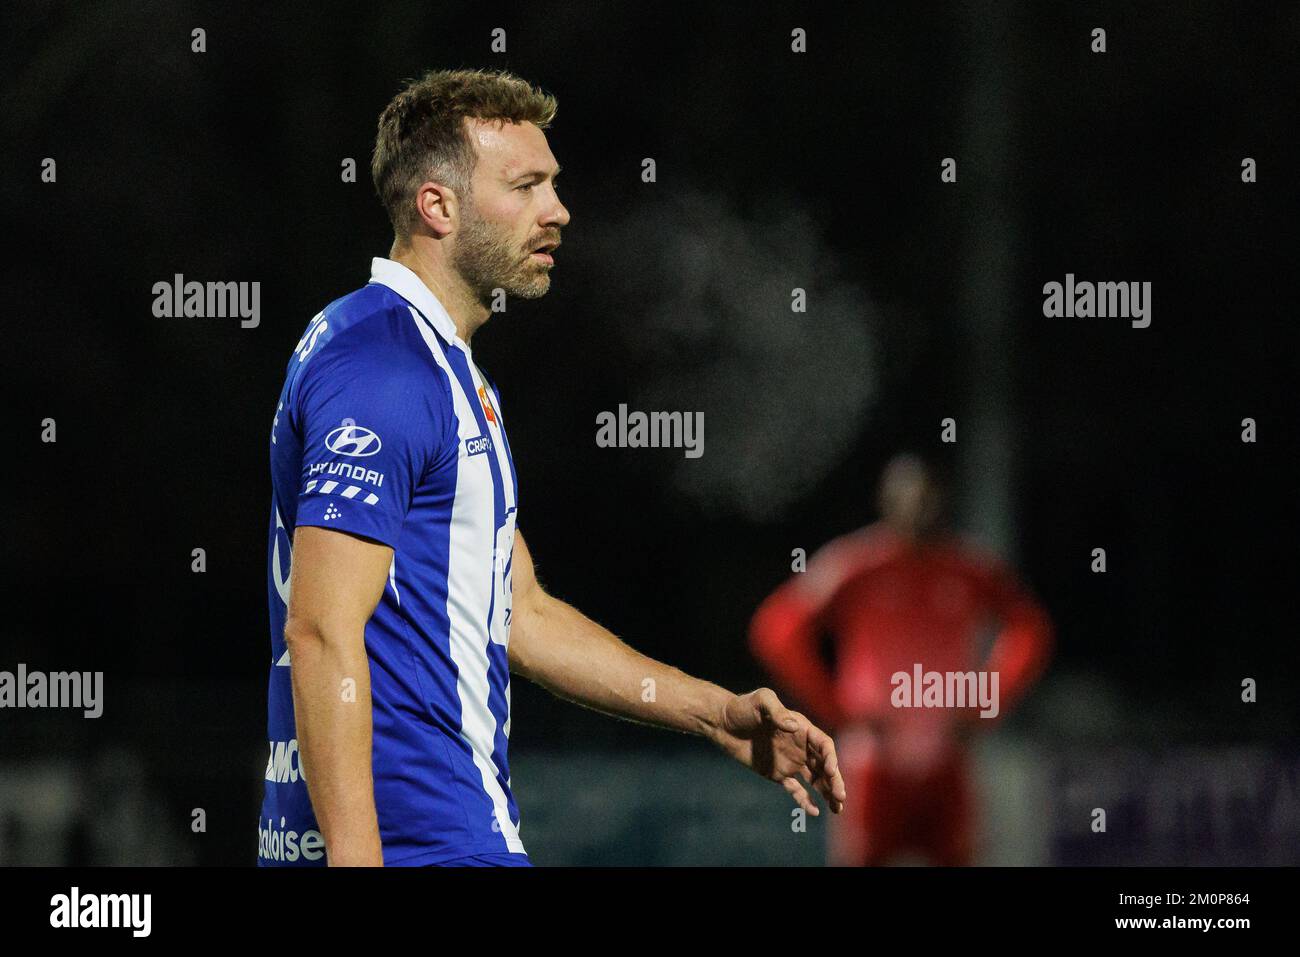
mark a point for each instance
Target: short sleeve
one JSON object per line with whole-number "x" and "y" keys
{"x": 371, "y": 422}
{"x": 835, "y": 563}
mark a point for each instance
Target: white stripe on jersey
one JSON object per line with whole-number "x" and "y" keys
{"x": 469, "y": 593}
{"x": 506, "y": 537}
{"x": 392, "y": 578}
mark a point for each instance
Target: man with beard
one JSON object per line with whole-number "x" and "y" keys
{"x": 411, "y": 598}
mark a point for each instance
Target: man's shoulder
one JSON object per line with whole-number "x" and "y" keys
{"x": 366, "y": 348}
{"x": 975, "y": 557}
{"x": 371, "y": 326}
{"x": 370, "y": 318}
{"x": 863, "y": 546}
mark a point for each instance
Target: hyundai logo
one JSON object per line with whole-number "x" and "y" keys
{"x": 352, "y": 440}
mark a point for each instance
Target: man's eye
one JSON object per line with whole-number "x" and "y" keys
{"x": 525, "y": 186}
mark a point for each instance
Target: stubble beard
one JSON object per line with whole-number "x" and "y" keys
{"x": 488, "y": 261}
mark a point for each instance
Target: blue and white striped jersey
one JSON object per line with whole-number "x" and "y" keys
{"x": 386, "y": 429}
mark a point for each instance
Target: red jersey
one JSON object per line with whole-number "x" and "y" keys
{"x": 889, "y": 605}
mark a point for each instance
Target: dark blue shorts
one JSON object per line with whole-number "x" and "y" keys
{"x": 487, "y": 860}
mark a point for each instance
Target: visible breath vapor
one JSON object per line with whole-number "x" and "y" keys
{"x": 705, "y": 316}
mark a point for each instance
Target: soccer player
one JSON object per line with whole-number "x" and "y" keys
{"x": 890, "y": 596}
{"x": 410, "y": 597}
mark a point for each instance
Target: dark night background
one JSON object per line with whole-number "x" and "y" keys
{"x": 775, "y": 170}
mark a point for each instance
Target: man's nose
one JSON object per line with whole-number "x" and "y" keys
{"x": 558, "y": 216}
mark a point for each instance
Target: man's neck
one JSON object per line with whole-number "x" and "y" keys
{"x": 465, "y": 311}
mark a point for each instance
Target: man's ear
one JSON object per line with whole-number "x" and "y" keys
{"x": 437, "y": 207}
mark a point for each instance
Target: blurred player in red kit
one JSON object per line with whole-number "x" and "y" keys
{"x": 900, "y": 593}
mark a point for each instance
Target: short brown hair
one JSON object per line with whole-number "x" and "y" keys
{"x": 422, "y": 134}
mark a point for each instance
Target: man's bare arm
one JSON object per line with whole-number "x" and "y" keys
{"x": 335, "y": 582}
{"x": 558, "y": 647}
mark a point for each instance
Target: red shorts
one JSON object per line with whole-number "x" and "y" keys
{"x": 891, "y": 811}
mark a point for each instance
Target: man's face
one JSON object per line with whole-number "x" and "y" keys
{"x": 512, "y": 210}
{"x": 911, "y": 501}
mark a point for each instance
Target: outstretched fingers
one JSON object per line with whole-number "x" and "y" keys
{"x": 826, "y": 768}
{"x": 801, "y": 797}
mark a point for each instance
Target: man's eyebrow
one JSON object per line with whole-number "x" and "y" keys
{"x": 536, "y": 172}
